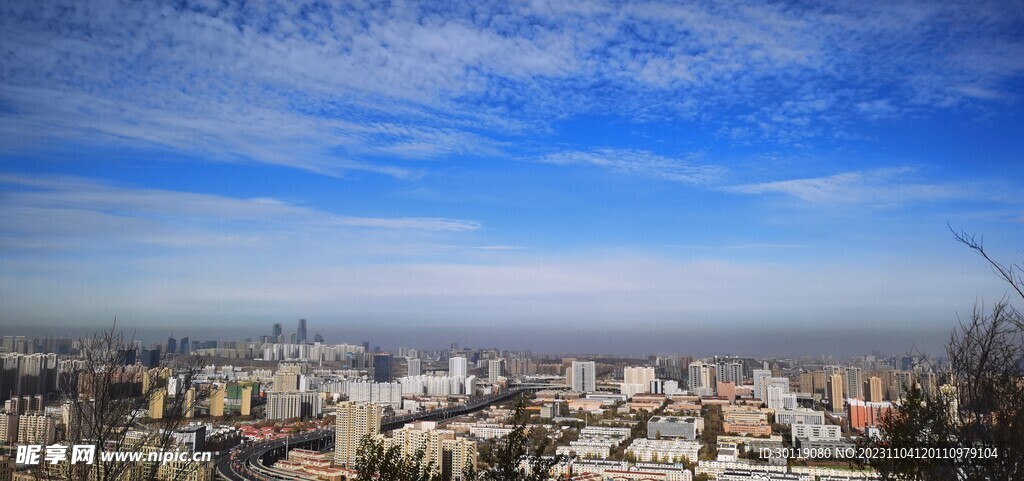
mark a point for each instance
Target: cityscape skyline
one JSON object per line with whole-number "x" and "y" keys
{"x": 731, "y": 177}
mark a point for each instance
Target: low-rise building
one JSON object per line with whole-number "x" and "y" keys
{"x": 674, "y": 427}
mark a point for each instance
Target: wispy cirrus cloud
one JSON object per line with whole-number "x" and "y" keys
{"x": 641, "y": 163}
{"x": 878, "y": 186}
{"x": 71, "y": 212}
{"x": 367, "y": 87}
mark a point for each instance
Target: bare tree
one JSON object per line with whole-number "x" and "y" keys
{"x": 975, "y": 421}
{"x": 107, "y": 405}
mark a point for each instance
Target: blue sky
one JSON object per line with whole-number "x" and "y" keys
{"x": 736, "y": 177}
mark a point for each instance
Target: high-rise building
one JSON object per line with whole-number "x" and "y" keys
{"x": 457, "y": 367}
{"x": 701, "y": 378}
{"x": 354, "y": 421}
{"x": 276, "y": 332}
{"x": 246, "y": 400}
{"x": 172, "y": 345}
{"x": 413, "y": 366}
{"x": 853, "y": 384}
{"x": 318, "y": 338}
{"x": 150, "y": 358}
{"x": 873, "y": 389}
{"x": 382, "y": 367}
{"x": 584, "y": 376}
{"x": 835, "y": 390}
{"x": 36, "y": 429}
{"x": 638, "y": 375}
{"x": 289, "y": 405}
{"x": 156, "y": 404}
{"x": 217, "y": 398}
{"x": 729, "y": 371}
{"x": 8, "y": 427}
{"x": 495, "y": 369}
{"x": 184, "y": 346}
{"x": 300, "y": 333}
{"x": 776, "y": 391}
{"x": 286, "y": 381}
{"x": 759, "y": 385}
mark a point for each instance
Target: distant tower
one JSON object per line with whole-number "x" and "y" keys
{"x": 318, "y": 338}
{"x": 184, "y": 346}
{"x": 584, "y": 376}
{"x": 275, "y": 335}
{"x": 301, "y": 332}
{"x": 382, "y": 367}
{"x": 172, "y": 345}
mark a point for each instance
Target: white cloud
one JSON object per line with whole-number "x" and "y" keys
{"x": 642, "y": 163}
{"x": 77, "y": 213}
{"x": 878, "y": 187}
{"x": 333, "y": 88}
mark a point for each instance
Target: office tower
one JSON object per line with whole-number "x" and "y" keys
{"x": 217, "y": 398}
{"x": 366, "y": 347}
{"x": 413, "y": 366}
{"x": 494, "y": 370}
{"x": 172, "y": 345}
{"x": 457, "y": 367}
{"x": 300, "y": 333}
{"x": 156, "y": 404}
{"x": 184, "y": 346}
{"x": 291, "y": 338}
{"x": 759, "y": 386}
{"x": 126, "y": 357}
{"x": 318, "y": 338}
{"x": 353, "y": 422}
{"x": 276, "y": 332}
{"x": 584, "y": 377}
{"x": 150, "y": 358}
{"x": 873, "y": 389}
{"x": 382, "y": 367}
{"x": 835, "y": 390}
{"x": 853, "y": 384}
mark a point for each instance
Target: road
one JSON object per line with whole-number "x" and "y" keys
{"x": 246, "y": 462}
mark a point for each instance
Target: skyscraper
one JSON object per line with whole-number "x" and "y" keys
{"x": 184, "y": 346}
{"x": 172, "y": 345}
{"x": 301, "y": 332}
{"x": 275, "y": 333}
{"x": 382, "y": 367}
{"x": 584, "y": 377}
{"x": 354, "y": 421}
